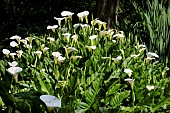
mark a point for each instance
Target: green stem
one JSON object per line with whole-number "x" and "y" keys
{"x": 133, "y": 95}
{"x": 35, "y": 61}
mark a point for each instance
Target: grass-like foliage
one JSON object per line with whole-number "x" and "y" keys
{"x": 155, "y": 25}
{"x": 81, "y": 68}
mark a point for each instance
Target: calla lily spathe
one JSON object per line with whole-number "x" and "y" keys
{"x": 83, "y": 14}
{"x": 120, "y": 36}
{"x": 6, "y": 51}
{"x": 52, "y": 27}
{"x": 105, "y": 57}
{"x": 13, "y": 64}
{"x": 14, "y": 70}
{"x": 67, "y": 35}
{"x": 51, "y": 102}
{"x": 66, "y": 13}
{"x": 29, "y": 39}
{"x": 24, "y": 42}
{"x": 19, "y": 53}
{"x": 45, "y": 49}
{"x": 93, "y": 37}
{"x": 61, "y": 59}
{"x": 12, "y": 55}
{"x": 51, "y": 39}
{"x": 70, "y": 49}
{"x": 131, "y": 81}
{"x": 150, "y": 54}
{"x": 150, "y": 87}
{"x": 91, "y": 47}
{"x": 59, "y": 20}
{"x": 13, "y": 44}
{"x": 38, "y": 53}
{"x": 117, "y": 59}
{"x": 56, "y": 54}
{"x": 128, "y": 71}
{"x": 64, "y": 29}
{"x": 16, "y": 37}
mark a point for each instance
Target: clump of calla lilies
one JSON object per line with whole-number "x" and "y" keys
{"x": 53, "y": 58}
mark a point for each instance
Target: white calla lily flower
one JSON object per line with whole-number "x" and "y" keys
{"x": 117, "y": 59}
{"x": 51, "y": 102}
{"x": 67, "y": 35}
{"x": 61, "y": 59}
{"x": 150, "y": 87}
{"x": 103, "y": 33}
{"x": 29, "y": 39}
{"x": 19, "y": 53}
{"x": 39, "y": 53}
{"x": 114, "y": 41}
{"x": 93, "y": 37}
{"x": 83, "y": 14}
{"x": 29, "y": 46}
{"x": 131, "y": 81}
{"x": 64, "y": 29}
{"x": 13, "y": 44}
{"x": 14, "y": 70}
{"x": 12, "y": 55}
{"x": 15, "y": 37}
{"x": 52, "y": 27}
{"x": 135, "y": 56}
{"x": 75, "y": 57}
{"x": 85, "y": 26}
{"x": 59, "y": 20}
{"x": 45, "y": 49}
{"x": 142, "y": 50}
{"x": 24, "y": 41}
{"x": 91, "y": 47}
{"x": 56, "y": 54}
{"x": 51, "y": 39}
{"x": 99, "y": 22}
{"x": 120, "y": 36}
{"x": 6, "y": 51}
{"x": 75, "y": 37}
{"x": 76, "y": 25}
{"x": 13, "y": 64}
{"x": 150, "y": 54}
{"x": 70, "y": 49}
{"x": 66, "y": 13}
{"x": 128, "y": 71}
{"x": 105, "y": 57}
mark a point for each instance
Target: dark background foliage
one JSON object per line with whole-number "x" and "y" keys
{"x": 23, "y": 17}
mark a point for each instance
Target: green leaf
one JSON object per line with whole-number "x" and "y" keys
{"x": 118, "y": 98}
{"x": 90, "y": 95}
{"x": 82, "y": 107}
{"x": 129, "y": 109}
{"x": 45, "y": 85}
{"x": 96, "y": 84}
{"x": 162, "y": 102}
{"x": 113, "y": 89}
